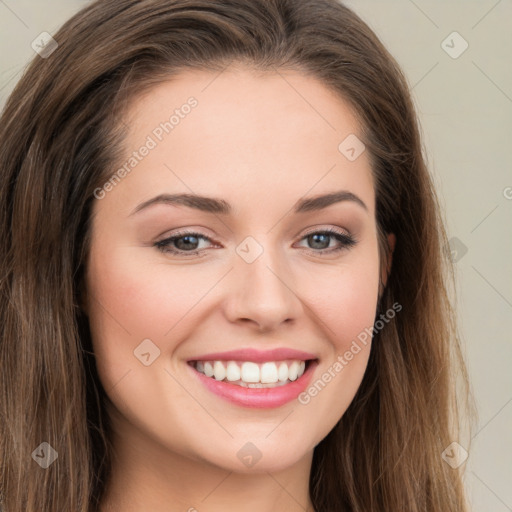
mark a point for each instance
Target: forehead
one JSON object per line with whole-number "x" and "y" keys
{"x": 287, "y": 99}
{"x": 277, "y": 131}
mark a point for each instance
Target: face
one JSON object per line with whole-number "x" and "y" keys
{"x": 261, "y": 274}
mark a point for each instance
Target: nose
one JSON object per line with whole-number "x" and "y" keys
{"x": 262, "y": 293}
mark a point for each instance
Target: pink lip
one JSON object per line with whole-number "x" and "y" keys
{"x": 261, "y": 398}
{"x": 256, "y": 356}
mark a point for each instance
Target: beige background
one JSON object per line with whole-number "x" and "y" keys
{"x": 465, "y": 106}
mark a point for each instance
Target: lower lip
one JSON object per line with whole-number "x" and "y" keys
{"x": 260, "y": 398}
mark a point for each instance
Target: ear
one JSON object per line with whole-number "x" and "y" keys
{"x": 388, "y": 258}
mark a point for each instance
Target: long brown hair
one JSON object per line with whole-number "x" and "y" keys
{"x": 61, "y": 137}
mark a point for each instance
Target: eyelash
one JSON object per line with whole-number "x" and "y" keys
{"x": 346, "y": 241}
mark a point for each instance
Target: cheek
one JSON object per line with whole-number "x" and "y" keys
{"x": 346, "y": 311}
{"x": 353, "y": 307}
{"x": 126, "y": 305}
{"x": 344, "y": 298}
{"x": 133, "y": 297}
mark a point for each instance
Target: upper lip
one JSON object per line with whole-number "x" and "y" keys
{"x": 258, "y": 356}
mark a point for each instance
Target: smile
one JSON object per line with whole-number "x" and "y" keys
{"x": 253, "y": 375}
{"x": 263, "y": 384}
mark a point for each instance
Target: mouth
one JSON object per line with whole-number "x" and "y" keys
{"x": 254, "y": 379}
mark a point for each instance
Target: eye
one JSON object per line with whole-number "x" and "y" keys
{"x": 321, "y": 240}
{"x": 187, "y": 243}
{"x": 179, "y": 243}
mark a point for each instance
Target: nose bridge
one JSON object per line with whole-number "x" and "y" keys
{"x": 263, "y": 291}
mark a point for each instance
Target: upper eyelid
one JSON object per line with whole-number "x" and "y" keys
{"x": 313, "y": 230}
{"x": 329, "y": 229}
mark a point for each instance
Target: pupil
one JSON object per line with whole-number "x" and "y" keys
{"x": 188, "y": 244}
{"x": 315, "y": 237}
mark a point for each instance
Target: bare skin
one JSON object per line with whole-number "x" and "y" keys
{"x": 253, "y": 141}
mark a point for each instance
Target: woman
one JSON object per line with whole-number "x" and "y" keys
{"x": 301, "y": 356}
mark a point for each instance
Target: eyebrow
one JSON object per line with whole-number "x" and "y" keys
{"x": 214, "y": 205}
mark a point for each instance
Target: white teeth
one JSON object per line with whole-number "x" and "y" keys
{"x": 208, "y": 369}
{"x": 250, "y": 372}
{"x": 232, "y": 372}
{"x": 293, "y": 370}
{"x": 259, "y": 384}
{"x": 268, "y": 373}
{"x": 253, "y": 375}
{"x": 219, "y": 372}
{"x": 282, "y": 372}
